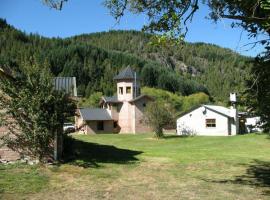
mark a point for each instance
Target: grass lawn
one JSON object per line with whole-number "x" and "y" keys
{"x": 139, "y": 167}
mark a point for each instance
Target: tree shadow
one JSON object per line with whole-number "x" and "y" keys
{"x": 87, "y": 154}
{"x": 175, "y": 136}
{"x": 257, "y": 175}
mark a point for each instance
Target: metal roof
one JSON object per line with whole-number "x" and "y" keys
{"x": 66, "y": 84}
{"x": 218, "y": 109}
{"x": 126, "y": 73}
{"x": 141, "y": 96}
{"x": 95, "y": 114}
{"x": 112, "y": 99}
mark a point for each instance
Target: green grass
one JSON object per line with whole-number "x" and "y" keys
{"x": 21, "y": 179}
{"x": 113, "y": 166}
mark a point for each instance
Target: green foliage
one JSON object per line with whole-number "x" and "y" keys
{"x": 92, "y": 101}
{"x": 195, "y": 100}
{"x": 33, "y": 110}
{"x": 197, "y": 67}
{"x": 177, "y": 103}
{"x": 95, "y": 59}
{"x": 158, "y": 116}
{"x": 258, "y": 94}
{"x": 165, "y": 97}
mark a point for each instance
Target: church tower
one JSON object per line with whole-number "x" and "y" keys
{"x": 128, "y": 86}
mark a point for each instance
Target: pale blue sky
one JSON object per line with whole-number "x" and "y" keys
{"x": 88, "y": 16}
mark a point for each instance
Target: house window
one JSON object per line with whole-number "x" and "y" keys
{"x": 144, "y": 105}
{"x": 100, "y": 126}
{"x": 120, "y": 90}
{"x": 210, "y": 123}
{"x": 128, "y": 90}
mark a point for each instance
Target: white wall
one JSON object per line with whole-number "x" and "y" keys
{"x": 124, "y": 85}
{"x": 193, "y": 123}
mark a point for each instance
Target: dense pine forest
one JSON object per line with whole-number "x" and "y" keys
{"x": 95, "y": 58}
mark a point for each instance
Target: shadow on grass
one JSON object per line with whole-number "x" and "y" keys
{"x": 176, "y": 136}
{"x": 257, "y": 175}
{"x": 86, "y": 154}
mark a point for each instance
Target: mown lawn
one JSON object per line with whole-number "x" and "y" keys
{"x": 141, "y": 167}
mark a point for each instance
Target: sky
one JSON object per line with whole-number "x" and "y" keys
{"x": 88, "y": 16}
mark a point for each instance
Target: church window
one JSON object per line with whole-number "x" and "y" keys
{"x": 128, "y": 90}
{"x": 120, "y": 90}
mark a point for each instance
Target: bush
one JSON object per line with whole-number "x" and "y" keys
{"x": 158, "y": 116}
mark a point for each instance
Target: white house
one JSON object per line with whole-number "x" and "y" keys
{"x": 209, "y": 120}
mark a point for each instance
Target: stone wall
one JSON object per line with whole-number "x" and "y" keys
{"x": 7, "y": 154}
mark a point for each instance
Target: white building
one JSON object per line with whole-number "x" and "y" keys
{"x": 253, "y": 124}
{"x": 209, "y": 120}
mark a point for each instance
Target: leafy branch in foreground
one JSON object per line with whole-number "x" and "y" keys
{"x": 32, "y": 110}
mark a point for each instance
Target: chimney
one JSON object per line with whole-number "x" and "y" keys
{"x": 233, "y": 110}
{"x": 233, "y": 99}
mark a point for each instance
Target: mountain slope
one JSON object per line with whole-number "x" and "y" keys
{"x": 95, "y": 58}
{"x": 220, "y": 70}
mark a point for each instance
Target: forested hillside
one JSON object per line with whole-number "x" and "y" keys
{"x": 95, "y": 58}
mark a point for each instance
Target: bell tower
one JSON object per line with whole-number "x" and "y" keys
{"x": 128, "y": 86}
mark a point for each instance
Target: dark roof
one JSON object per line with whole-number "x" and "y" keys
{"x": 126, "y": 73}
{"x": 141, "y": 96}
{"x": 95, "y": 114}
{"x": 67, "y": 84}
{"x": 112, "y": 99}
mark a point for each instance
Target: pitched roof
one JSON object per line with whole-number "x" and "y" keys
{"x": 126, "y": 73}
{"x": 112, "y": 99}
{"x": 95, "y": 114}
{"x": 218, "y": 109}
{"x": 141, "y": 96}
{"x": 66, "y": 84}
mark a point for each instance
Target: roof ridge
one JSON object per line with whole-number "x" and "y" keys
{"x": 126, "y": 73}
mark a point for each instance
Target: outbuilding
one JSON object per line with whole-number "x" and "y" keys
{"x": 208, "y": 120}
